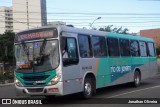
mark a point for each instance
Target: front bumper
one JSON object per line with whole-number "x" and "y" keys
{"x": 40, "y": 91}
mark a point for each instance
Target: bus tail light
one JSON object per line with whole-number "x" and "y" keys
{"x": 55, "y": 80}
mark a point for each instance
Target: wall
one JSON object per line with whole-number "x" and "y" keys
{"x": 152, "y": 33}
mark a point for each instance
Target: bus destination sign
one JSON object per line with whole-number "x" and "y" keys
{"x": 36, "y": 34}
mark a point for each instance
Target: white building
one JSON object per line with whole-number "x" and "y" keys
{"x": 29, "y": 14}
{"x": 56, "y": 23}
{"x": 6, "y": 19}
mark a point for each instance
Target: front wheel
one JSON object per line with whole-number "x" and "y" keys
{"x": 88, "y": 88}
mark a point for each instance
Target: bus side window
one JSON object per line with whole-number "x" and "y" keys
{"x": 143, "y": 48}
{"x": 64, "y": 47}
{"x": 69, "y": 51}
{"x": 134, "y": 48}
{"x": 151, "y": 51}
{"x": 99, "y": 46}
{"x": 85, "y": 46}
{"x": 113, "y": 47}
{"x": 72, "y": 48}
{"x": 124, "y": 47}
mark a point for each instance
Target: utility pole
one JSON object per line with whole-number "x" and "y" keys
{"x": 27, "y": 14}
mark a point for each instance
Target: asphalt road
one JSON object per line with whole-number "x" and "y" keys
{"x": 150, "y": 88}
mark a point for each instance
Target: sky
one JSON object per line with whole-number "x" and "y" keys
{"x": 135, "y": 15}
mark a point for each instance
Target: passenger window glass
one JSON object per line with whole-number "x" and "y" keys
{"x": 99, "y": 46}
{"x": 69, "y": 51}
{"x": 124, "y": 47}
{"x": 72, "y": 51}
{"x": 113, "y": 47}
{"x": 143, "y": 49}
{"x": 134, "y": 48}
{"x": 84, "y": 46}
{"x": 151, "y": 49}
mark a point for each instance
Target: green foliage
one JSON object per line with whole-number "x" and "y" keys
{"x": 158, "y": 51}
{"x": 7, "y": 55}
{"x": 111, "y": 28}
{"x": 6, "y": 76}
{"x": 2, "y": 77}
{"x": 7, "y": 47}
{"x": 9, "y": 75}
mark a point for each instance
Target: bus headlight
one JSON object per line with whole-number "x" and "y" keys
{"x": 55, "y": 80}
{"x": 18, "y": 83}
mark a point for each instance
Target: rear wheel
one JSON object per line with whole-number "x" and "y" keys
{"x": 88, "y": 88}
{"x": 137, "y": 79}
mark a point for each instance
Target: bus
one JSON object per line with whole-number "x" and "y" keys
{"x": 62, "y": 60}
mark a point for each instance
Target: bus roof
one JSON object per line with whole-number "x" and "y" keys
{"x": 95, "y": 32}
{"x": 131, "y": 37}
{"x": 103, "y": 33}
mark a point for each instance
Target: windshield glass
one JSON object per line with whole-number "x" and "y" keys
{"x": 37, "y": 56}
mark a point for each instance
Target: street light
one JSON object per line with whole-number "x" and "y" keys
{"x": 94, "y": 21}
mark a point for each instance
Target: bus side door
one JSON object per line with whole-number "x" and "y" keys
{"x": 70, "y": 60}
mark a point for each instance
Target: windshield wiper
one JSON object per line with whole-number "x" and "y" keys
{"x": 42, "y": 48}
{"x": 39, "y": 60}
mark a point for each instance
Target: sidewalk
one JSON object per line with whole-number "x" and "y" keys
{"x": 8, "y": 84}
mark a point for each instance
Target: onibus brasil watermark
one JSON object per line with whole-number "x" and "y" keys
{"x": 21, "y": 101}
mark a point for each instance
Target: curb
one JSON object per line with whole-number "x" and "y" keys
{"x": 8, "y": 84}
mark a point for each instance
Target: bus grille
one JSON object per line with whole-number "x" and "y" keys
{"x": 34, "y": 78}
{"x": 32, "y": 84}
{"x": 35, "y": 90}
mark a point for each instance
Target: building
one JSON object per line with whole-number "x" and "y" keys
{"x": 6, "y": 19}
{"x": 152, "y": 33}
{"x": 29, "y": 14}
{"x": 56, "y": 23}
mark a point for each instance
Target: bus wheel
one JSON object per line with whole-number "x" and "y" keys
{"x": 137, "y": 79}
{"x": 88, "y": 88}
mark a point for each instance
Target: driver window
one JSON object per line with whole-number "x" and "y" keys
{"x": 69, "y": 51}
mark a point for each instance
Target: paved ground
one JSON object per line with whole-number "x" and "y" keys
{"x": 149, "y": 88}
{"x": 159, "y": 65}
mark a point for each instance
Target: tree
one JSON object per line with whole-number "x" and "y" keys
{"x": 6, "y": 47}
{"x": 106, "y": 28}
{"x": 7, "y": 55}
{"x": 158, "y": 51}
{"x": 111, "y": 28}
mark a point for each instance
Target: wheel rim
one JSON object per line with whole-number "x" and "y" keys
{"x": 137, "y": 79}
{"x": 88, "y": 88}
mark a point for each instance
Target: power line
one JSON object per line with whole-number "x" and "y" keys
{"x": 96, "y": 22}
{"x": 122, "y": 26}
{"x": 151, "y": 17}
{"x": 19, "y": 21}
{"x": 46, "y": 7}
{"x": 11, "y": 28}
{"x": 90, "y": 13}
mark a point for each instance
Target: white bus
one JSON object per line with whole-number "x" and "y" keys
{"x": 57, "y": 61}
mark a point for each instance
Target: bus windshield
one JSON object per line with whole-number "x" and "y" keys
{"x": 37, "y": 56}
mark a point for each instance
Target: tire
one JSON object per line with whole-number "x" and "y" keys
{"x": 137, "y": 79}
{"x": 88, "y": 88}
